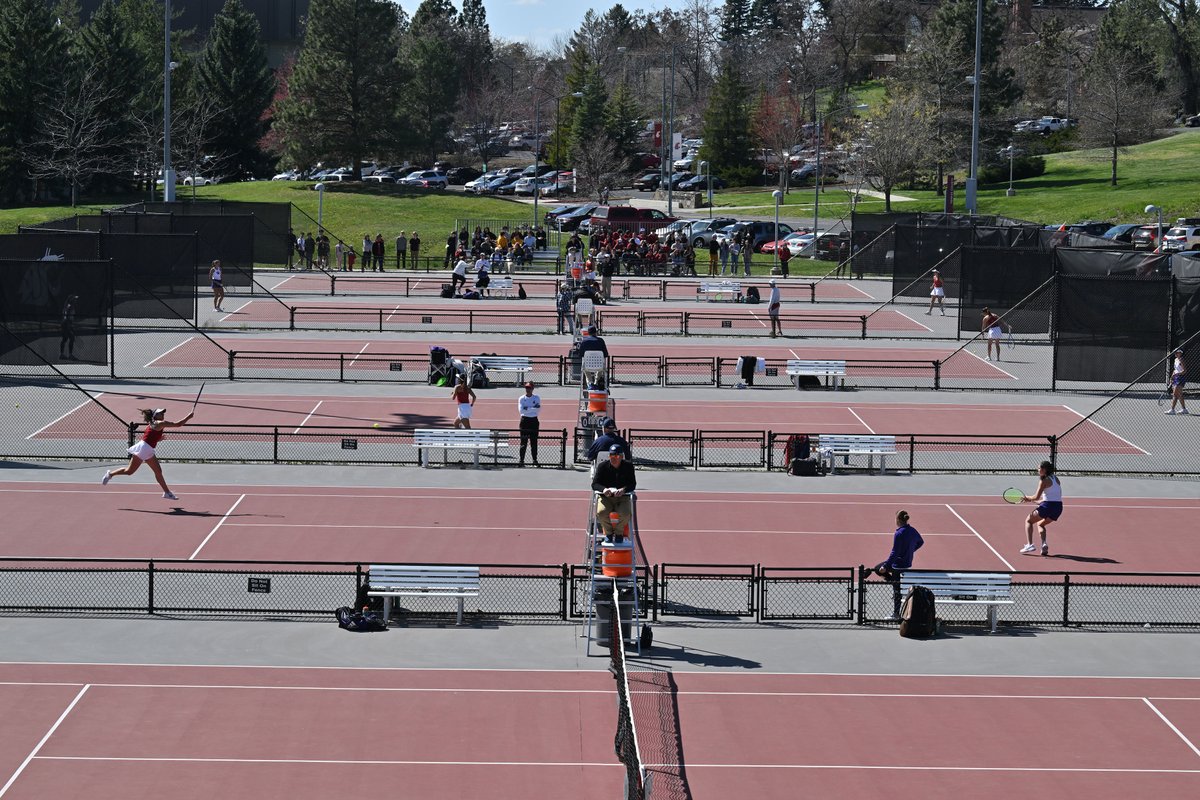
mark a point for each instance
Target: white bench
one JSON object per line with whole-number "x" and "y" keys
{"x": 712, "y": 291}
{"x": 391, "y": 580}
{"x": 989, "y": 589}
{"x": 518, "y": 364}
{"x": 830, "y": 445}
{"x": 502, "y": 284}
{"x": 427, "y": 439}
{"x": 831, "y": 371}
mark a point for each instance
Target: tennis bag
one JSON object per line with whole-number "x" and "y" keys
{"x": 798, "y": 446}
{"x": 521, "y": 293}
{"x": 918, "y": 615}
{"x": 360, "y": 621}
{"x": 803, "y": 467}
{"x": 752, "y": 295}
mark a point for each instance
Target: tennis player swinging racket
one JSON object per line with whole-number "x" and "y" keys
{"x": 143, "y": 450}
{"x": 1050, "y": 507}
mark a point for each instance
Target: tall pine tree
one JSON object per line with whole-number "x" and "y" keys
{"x": 106, "y": 45}
{"x": 234, "y": 75}
{"x": 432, "y": 57}
{"x": 344, "y": 90}
{"x": 476, "y": 56}
{"x": 31, "y": 62}
{"x": 728, "y": 136}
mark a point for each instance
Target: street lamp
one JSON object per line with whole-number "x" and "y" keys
{"x": 168, "y": 65}
{"x": 1012, "y": 151}
{"x": 320, "y": 187}
{"x": 778, "y": 195}
{"x": 537, "y": 138}
{"x": 705, "y": 169}
{"x": 975, "y": 80}
{"x": 1157, "y": 210}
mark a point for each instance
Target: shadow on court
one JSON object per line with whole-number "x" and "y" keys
{"x": 177, "y": 511}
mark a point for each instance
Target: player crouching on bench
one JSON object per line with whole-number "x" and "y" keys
{"x": 614, "y": 481}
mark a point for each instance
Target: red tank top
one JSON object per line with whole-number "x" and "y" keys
{"x": 937, "y": 281}
{"x": 153, "y": 435}
{"x": 462, "y": 394}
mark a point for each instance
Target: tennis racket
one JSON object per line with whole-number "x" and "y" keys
{"x": 1162, "y": 396}
{"x": 1013, "y": 496}
{"x": 1010, "y": 341}
{"x": 197, "y": 401}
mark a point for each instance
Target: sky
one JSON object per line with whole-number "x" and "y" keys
{"x": 540, "y": 22}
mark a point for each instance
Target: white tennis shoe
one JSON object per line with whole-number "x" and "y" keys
{"x": 107, "y": 477}
{"x": 169, "y": 496}
{"x": 1028, "y": 548}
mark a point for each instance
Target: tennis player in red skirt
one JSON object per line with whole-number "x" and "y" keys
{"x": 143, "y": 450}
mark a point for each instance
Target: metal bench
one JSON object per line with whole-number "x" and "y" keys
{"x": 500, "y": 283}
{"x": 392, "y": 580}
{"x": 713, "y": 291}
{"x": 518, "y": 364}
{"x": 830, "y": 445}
{"x": 831, "y": 371}
{"x": 989, "y": 589}
{"x": 427, "y": 439}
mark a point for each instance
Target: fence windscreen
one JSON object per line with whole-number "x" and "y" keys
{"x": 48, "y": 245}
{"x": 1185, "y": 313}
{"x": 1125, "y": 263}
{"x": 272, "y": 222}
{"x": 154, "y": 274}
{"x": 999, "y": 279}
{"x": 1111, "y": 329}
{"x": 59, "y": 309}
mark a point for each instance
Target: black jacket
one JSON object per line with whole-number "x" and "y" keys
{"x": 608, "y": 478}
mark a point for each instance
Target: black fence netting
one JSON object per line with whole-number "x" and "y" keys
{"x": 999, "y": 279}
{"x": 1185, "y": 311}
{"x": 51, "y": 245}
{"x": 920, "y": 249}
{"x": 1110, "y": 329}
{"x": 59, "y": 310}
{"x": 1112, "y": 263}
{"x": 154, "y": 274}
{"x": 272, "y": 222}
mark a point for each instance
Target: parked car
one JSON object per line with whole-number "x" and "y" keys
{"x": 1180, "y": 238}
{"x": 1145, "y": 237}
{"x": 1120, "y": 233}
{"x": 794, "y": 241}
{"x": 680, "y": 177}
{"x": 628, "y": 217}
{"x": 545, "y": 185}
{"x": 700, "y": 183}
{"x": 458, "y": 176}
{"x": 1091, "y": 227}
{"x": 571, "y": 220}
{"x": 554, "y": 213}
{"x": 806, "y": 171}
{"x": 287, "y": 175}
{"x": 685, "y": 163}
{"x": 429, "y": 179}
{"x": 702, "y": 231}
{"x": 199, "y": 180}
{"x": 760, "y": 232}
{"x": 648, "y": 182}
{"x": 482, "y": 180}
{"x": 646, "y": 160}
{"x": 380, "y": 177}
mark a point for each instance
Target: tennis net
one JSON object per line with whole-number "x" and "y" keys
{"x": 637, "y": 781}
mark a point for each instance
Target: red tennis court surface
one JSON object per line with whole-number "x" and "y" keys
{"x": 705, "y": 315}
{"x": 477, "y": 525}
{"x": 198, "y": 352}
{"x": 545, "y": 286}
{"x": 497, "y": 409}
{"x": 126, "y": 732}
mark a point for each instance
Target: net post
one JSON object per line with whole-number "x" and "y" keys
{"x": 275, "y": 445}
{"x": 1053, "y": 448}
{"x": 231, "y": 357}
{"x": 150, "y": 588}
{"x": 864, "y": 326}
{"x": 132, "y": 430}
{"x": 381, "y": 320}
{"x": 332, "y": 285}
{"x": 341, "y": 367}
{"x": 291, "y": 318}
{"x": 862, "y": 595}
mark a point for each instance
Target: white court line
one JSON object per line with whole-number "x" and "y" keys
{"x": 282, "y": 282}
{"x": 1171, "y": 725}
{"x": 860, "y": 419}
{"x": 164, "y": 355}
{"x": 756, "y": 319}
{"x": 991, "y": 364}
{"x": 475, "y": 529}
{"x": 392, "y": 313}
{"x": 242, "y": 307}
{"x": 911, "y": 768}
{"x": 913, "y": 321}
{"x": 306, "y": 419}
{"x": 986, "y": 543}
{"x": 64, "y": 416}
{"x": 354, "y": 360}
{"x": 863, "y": 292}
{"x": 34, "y": 753}
{"x": 220, "y": 522}
{"x": 1106, "y": 430}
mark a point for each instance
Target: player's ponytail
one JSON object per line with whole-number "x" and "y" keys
{"x": 147, "y": 414}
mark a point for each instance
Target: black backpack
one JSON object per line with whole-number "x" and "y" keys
{"x": 918, "y": 615}
{"x": 521, "y": 293}
{"x": 752, "y": 295}
{"x": 359, "y": 621}
{"x": 797, "y": 446}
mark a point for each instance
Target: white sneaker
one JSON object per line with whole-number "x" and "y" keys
{"x": 989, "y": 358}
{"x": 169, "y": 496}
{"x": 1182, "y": 411}
{"x": 1045, "y": 549}
{"x": 1169, "y": 411}
{"x": 1028, "y": 548}
{"x": 107, "y": 477}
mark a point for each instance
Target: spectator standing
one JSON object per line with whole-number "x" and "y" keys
{"x": 615, "y": 481}
{"x": 1178, "y": 381}
{"x": 735, "y": 255}
{"x": 323, "y": 251}
{"x": 714, "y": 253}
{"x": 482, "y": 277}
{"x": 339, "y": 255}
{"x": 529, "y": 406}
{"x": 401, "y": 251}
{"x": 451, "y": 247}
{"x": 310, "y": 250}
{"x": 66, "y": 343}
{"x": 414, "y": 248}
{"x": 785, "y": 255}
{"x": 843, "y": 256}
{"x": 458, "y": 276}
{"x": 773, "y": 303}
{"x": 366, "y": 251}
{"x": 608, "y": 265}
{"x": 747, "y": 251}
{"x": 378, "y": 248}
{"x": 723, "y": 252}
{"x": 566, "y": 315}
{"x": 291, "y": 247}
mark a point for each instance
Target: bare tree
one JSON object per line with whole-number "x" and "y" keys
{"x": 192, "y": 133}
{"x": 777, "y": 125}
{"x": 1120, "y": 106}
{"x": 598, "y": 163}
{"x": 73, "y": 141}
{"x": 478, "y": 114}
{"x": 896, "y": 142}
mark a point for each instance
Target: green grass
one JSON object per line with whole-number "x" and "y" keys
{"x": 350, "y": 210}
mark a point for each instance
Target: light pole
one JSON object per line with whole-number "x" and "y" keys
{"x": 1011, "y": 151}
{"x": 1157, "y": 210}
{"x": 320, "y": 187}
{"x": 168, "y": 65}
{"x": 705, "y": 169}
{"x": 537, "y": 138}
{"x": 778, "y": 195}
{"x": 973, "y": 180}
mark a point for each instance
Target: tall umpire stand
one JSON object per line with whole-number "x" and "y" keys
{"x": 612, "y": 577}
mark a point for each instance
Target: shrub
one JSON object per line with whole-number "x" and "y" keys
{"x": 1023, "y": 167}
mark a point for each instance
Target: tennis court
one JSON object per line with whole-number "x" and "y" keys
{"x": 128, "y": 519}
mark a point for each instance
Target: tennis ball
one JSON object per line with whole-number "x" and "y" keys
{"x": 376, "y": 425}
{"x": 17, "y": 405}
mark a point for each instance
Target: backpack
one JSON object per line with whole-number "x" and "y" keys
{"x": 359, "y": 621}
{"x": 521, "y": 293}
{"x": 918, "y": 617}
{"x": 797, "y": 446}
{"x": 803, "y": 467}
{"x": 752, "y": 295}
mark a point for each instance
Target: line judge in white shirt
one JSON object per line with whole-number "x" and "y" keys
{"x": 529, "y": 405}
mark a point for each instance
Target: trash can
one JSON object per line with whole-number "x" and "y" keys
{"x": 575, "y": 360}
{"x": 603, "y": 601}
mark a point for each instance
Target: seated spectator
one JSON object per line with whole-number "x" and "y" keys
{"x": 615, "y": 481}
{"x": 905, "y": 542}
{"x": 607, "y": 439}
{"x": 590, "y": 342}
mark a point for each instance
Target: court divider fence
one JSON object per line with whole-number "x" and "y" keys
{"x": 698, "y": 593}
